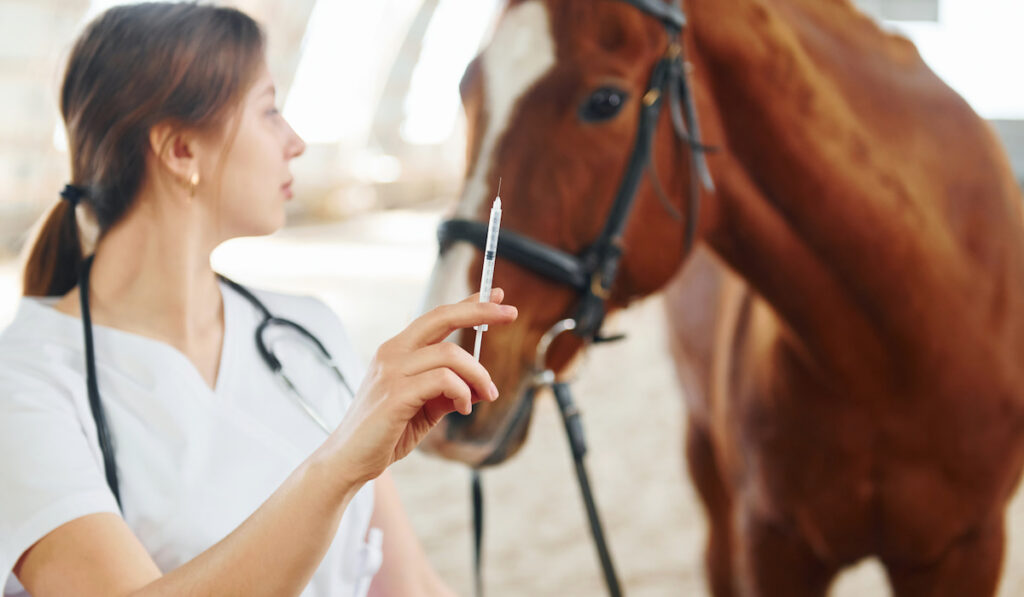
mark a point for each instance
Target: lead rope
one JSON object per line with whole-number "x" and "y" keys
{"x": 578, "y": 446}
{"x": 478, "y": 532}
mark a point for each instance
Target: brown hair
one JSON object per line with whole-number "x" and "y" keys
{"x": 132, "y": 68}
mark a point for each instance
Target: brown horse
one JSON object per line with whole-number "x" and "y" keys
{"x": 850, "y": 327}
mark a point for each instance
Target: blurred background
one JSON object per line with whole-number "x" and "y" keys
{"x": 373, "y": 89}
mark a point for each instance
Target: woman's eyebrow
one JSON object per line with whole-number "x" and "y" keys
{"x": 269, "y": 89}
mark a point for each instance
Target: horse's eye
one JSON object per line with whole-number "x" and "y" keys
{"x": 603, "y": 104}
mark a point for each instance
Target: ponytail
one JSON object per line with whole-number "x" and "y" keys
{"x": 52, "y": 265}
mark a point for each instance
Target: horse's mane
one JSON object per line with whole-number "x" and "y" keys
{"x": 844, "y": 20}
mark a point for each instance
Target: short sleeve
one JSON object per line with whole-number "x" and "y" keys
{"x": 49, "y": 473}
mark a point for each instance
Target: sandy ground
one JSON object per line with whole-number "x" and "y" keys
{"x": 372, "y": 270}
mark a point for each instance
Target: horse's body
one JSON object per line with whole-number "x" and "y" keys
{"x": 850, "y": 331}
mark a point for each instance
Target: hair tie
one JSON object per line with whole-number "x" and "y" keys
{"x": 73, "y": 194}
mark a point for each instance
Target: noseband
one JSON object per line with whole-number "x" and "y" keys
{"x": 593, "y": 272}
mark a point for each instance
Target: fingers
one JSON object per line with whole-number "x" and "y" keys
{"x": 497, "y": 296}
{"x": 430, "y": 385}
{"x": 437, "y": 324}
{"x": 452, "y": 356}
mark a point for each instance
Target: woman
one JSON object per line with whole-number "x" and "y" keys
{"x": 214, "y": 480}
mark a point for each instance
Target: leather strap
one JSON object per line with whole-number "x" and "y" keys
{"x": 578, "y": 446}
{"x": 552, "y": 263}
{"x": 478, "y": 532}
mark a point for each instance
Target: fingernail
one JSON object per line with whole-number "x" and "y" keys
{"x": 494, "y": 391}
{"x": 509, "y": 310}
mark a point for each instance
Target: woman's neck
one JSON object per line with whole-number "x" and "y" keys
{"x": 151, "y": 276}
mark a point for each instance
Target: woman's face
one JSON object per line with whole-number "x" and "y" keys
{"x": 249, "y": 176}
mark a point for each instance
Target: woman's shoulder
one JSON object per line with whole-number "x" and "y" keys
{"x": 38, "y": 341}
{"x": 40, "y": 368}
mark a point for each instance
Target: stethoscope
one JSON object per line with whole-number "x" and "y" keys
{"x": 268, "y": 322}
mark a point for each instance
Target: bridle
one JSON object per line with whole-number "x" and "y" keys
{"x": 593, "y": 272}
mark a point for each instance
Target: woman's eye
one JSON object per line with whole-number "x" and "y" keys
{"x": 603, "y": 104}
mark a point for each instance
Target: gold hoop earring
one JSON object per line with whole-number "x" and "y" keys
{"x": 192, "y": 184}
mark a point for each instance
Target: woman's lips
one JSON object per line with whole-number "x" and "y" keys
{"x": 287, "y": 189}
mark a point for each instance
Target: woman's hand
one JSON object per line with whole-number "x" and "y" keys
{"x": 413, "y": 381}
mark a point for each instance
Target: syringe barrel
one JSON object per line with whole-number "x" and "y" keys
{"x": 490, "y": 252}
{"x": 485, "y": 283}
{"x": 491, "y": 246}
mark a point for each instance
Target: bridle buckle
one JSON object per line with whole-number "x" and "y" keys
{"x": 597, "y": 287}
{"x": 651, "y": 97}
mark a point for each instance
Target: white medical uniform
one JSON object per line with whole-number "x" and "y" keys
{"x": 193, "y": 463}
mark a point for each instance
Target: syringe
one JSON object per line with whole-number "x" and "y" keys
{"x": 490, "y": 252}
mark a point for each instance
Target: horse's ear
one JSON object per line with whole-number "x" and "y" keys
{"x": 472, "y": 91}
{"x": 470, "y": 79}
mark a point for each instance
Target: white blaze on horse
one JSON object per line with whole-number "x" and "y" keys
{"x": 849, "y": 327}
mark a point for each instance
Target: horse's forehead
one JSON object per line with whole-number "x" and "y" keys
{"x": 521, "y": 51}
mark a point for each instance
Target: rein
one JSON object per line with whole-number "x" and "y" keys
{"x": 593, "y": 273}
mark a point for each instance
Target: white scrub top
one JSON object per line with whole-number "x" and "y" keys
{"x": 193, "y": 463}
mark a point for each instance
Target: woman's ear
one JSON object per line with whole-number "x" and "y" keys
{"x": 175, "y": 151}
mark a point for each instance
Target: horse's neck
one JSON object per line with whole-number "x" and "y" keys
{"x": 856, "y": 189}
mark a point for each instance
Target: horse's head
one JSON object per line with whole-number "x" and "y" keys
{"x": 554, "y": 104}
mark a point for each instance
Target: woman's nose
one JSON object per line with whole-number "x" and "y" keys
{"x": 296, "y": 146}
